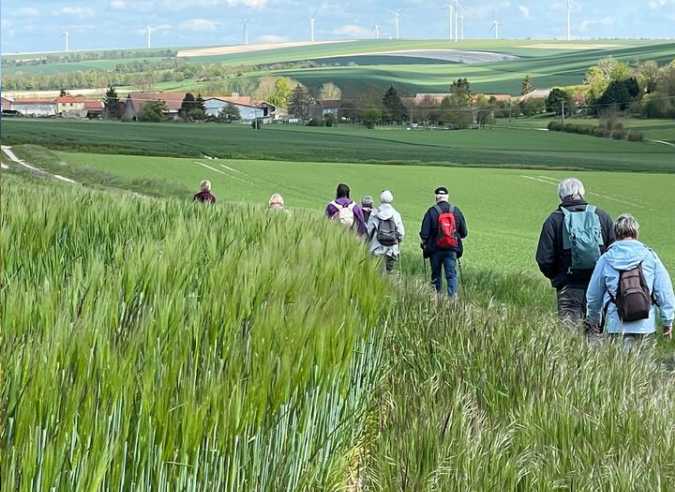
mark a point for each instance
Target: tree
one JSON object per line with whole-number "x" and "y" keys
{"x": 460, "y": 92}
{"x": 111, "y": 103}
{"x": 456, "y": 108}
{"x": 555, "y": 100}
{"x": 301, "y": 104}
{"x": 621, "y": 93}
{"x": 649, "y": 75}
{"x": 188, "y": 104}
{"x": 229, "y": 113}
{"x": 63, "y": 93}
{"x": 153, "y": 111}
{"x": 393, "y": 109}
{"x": 526, "y": 87}
{"x": 330, "y": 92}
{"x": 372, "y": 115}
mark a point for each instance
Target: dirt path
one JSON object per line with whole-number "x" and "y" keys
{"x": 12, "y": 157}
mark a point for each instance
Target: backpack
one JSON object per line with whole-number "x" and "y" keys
{"x": 344, "y": 215}
{"x": 446, "y": 234}
{"x": 387, "y": 235}
{"x": 582, "y": 234}
{"x": 633, "y": 299}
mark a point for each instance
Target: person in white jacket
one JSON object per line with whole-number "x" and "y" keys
{"x": 386, "y": 231}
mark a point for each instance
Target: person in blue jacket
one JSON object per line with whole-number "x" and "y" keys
{"x": 626, "y": 254}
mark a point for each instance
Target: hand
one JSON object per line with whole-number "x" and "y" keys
{"x": 668, "y": 332}
{"x": 422, "y": 244}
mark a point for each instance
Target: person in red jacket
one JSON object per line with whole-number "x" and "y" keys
{"x": 204, "y": 195}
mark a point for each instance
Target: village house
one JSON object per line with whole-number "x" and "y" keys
{"x": 71, "y": 106}
{"x": 248, "y": 109}
{"x": 133, "y": 106}
{"x": 6, "y": 104}
{"x": 330, "y": 106}
{"x": 93, "y": 109}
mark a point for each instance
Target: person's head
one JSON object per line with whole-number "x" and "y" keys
{"x": 342, "y": 191}
{"x": 276, "y": 200}
{"x": 571, "y": 189}
{"x": 205, "y": 185}
{"x": 626, "y": 227}
{"x": 367, "y": 202}
{"x": 386, "y": 197}
{"x": 441, "y": 194}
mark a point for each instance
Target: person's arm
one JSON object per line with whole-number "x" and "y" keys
{"x": 547, "y": 257}
{"x": 330, "y": 210}
{"x": 371, "y": 226}
{"x": 425, "y": 231}
{"x": 607, "y": 225}
{"x": 361, "y": 221}
{"x": 595, "y": 295}
{"x": 400, "y": 230}
{"x": 663, "y": 292}
{"x": 462, "y": 230}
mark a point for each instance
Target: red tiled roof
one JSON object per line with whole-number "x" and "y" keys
{"x": 173, "y": 100}
{"x": 70, "y": 99}
{"x": 93, "y": 105}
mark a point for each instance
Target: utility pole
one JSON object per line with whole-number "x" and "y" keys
{"x": 562, "y": 104}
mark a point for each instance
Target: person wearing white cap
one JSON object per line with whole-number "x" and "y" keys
{"x": 386, "y": 231}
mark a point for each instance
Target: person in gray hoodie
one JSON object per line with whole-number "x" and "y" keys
{"x": 625, "y": 255}
{"x": 386, "y": 231}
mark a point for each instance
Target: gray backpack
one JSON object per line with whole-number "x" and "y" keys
{"x": 387, "y": 235}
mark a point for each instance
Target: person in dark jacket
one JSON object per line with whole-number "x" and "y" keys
{"x": 555, "y": 262}
{"x": 204, "y": 195}
{"x": 438, "y": 257}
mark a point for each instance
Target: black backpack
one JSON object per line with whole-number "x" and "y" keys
{"x": 633, "y": 299}
{"x": 386, "y": 232}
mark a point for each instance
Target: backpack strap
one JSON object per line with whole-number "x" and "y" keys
{"x": 438, "y": 209}
{"x": 590, "y": 208}
{"x": 351, "y": 206}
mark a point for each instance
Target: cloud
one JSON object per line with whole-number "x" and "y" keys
{"x": 191, "y": 4}
{"x": 79, "y": 12}
{"x": 118, "y": 5}
{"x": 199, "y": 25}
{"x": 163, "y": 29}
{"x": 352, "y": 31}
{"x": 271, "y": 38}
{"x": 6, "y": 24}
{"x": 525, "y": 11}
{"x": 28, "y": 12}
{"x": 657, "y": 4}
{"x": 254, "y": 4}
{"x": 586, "y": 25}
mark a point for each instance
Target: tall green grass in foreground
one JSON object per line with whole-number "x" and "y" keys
{"x": 156, "y": 345}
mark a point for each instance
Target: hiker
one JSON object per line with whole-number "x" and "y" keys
{"x": 385, "y": 230}
{"x": 346, "y": 212}
{"x": 572, "y": 239}
{"x": 443, "y": 229}
{"x": 628, "y": 288}
{"x": 204, "y": 194}
{"x": 276, "y": 202}
{"x": 367, "y": 207}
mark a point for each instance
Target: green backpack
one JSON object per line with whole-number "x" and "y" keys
{"x": 582, "y": 234}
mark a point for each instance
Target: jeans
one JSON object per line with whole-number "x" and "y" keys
{"x": 447, "y": 260}
{"x": 572, "y": 303}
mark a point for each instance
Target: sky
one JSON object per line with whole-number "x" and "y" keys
{"x": 38, "y": 25}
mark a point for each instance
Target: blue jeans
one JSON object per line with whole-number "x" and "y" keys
{"x": 447, "y": 260}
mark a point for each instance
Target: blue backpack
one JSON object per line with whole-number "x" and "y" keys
{"x": 582, "y": 234}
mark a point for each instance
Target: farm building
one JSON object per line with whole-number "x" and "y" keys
{"x": 93, "y": 109}
{"x": 133, "y": 106}
{"x": 248, "y": 109}
{"x": 330, "y": 106}
{"x": 536, "y": 94}
{"x": 6, "y": 104}
{"x": 35, "y": 107}
{"x": 71, "y": 106}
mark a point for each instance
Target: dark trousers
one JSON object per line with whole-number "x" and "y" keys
{"x": 389, "y": 264}
{"x": 572, "y": 303}
{"x": 444, "y": 260}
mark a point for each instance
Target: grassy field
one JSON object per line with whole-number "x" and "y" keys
{"x": 496, "y": 147}
{"x": 157, "y": 345}
{"x": 549, "y": 63}
{"x": 504, "y": 208}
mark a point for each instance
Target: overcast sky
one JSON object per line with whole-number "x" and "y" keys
{"x": 37, "y": 25}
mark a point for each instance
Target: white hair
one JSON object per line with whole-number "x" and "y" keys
{"x": 626, "y": 226}
{"x": 205, "y": 185}
{"x": 442, "y": 197}
{"x": 571, "y": 188}
{"x": 386, "y": 197}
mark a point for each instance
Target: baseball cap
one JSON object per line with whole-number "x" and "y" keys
{"x": 441, "y": 190}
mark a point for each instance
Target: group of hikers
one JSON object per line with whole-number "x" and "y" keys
{"x": 605, "y": 278}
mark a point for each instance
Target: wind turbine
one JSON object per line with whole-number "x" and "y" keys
{"x": 451, "y": 18}
{"x": 66, "y": 37}
{"x": 311, "y": 18}
{"x": 461, "y": 26}
{"x": 245, "y": 23}
{"x": 570, "y": 4}
{"x": 148, "y": 34}
{"x": 397, "y": 19}
{"x": 495, "y": 26}
{"x": 376, "y": 30}
{"x": 457, "y": 11}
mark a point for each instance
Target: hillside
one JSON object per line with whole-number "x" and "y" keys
{"x": 157, "y": 345}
